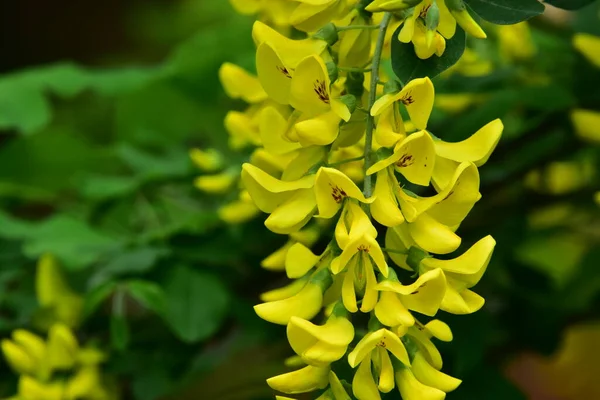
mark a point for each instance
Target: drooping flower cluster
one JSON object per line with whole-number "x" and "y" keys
{"x": 322, "y": 123}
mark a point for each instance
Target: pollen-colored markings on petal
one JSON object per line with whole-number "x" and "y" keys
{"x": 405, "y": 161}
{"x": 364, "y": 248}
{"x": 422, "y": 286}
{"x": 423, "y": 13}
{"x": 449, "y": 194}
{"x": 338, "y": 194}
{"x": 284, "y": 71}
{"x": 407, "y": 99}
{"x": 321, "y": 91}
{"x": 381, "y": 343}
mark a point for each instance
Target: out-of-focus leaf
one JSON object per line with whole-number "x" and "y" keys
{"x": 134, "y": 261}
{"x": 97, "y": 296}
{"x": 149, "y": 294}
{"x": 506, "y": 12}
{"x": 408, "y": 66}
{"x": 13, "y": 228}
{"x": 570, "y": 4}
{"x": 71, "y": 240}
{"x": 150, "y": 166}
{"x": 103, "y": 187}
{"x": 196, "y": 304}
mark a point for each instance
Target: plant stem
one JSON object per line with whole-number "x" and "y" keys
{"x": 350, "y": 27}
{"x": 353, "y": 69}
{"x": 348, "y": 160}
{"x": 368, "y": 188}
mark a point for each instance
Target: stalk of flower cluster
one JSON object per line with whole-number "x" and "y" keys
{"x": 368, "y": 184}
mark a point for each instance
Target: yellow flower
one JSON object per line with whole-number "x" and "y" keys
{"x": 587, "y": 125}
{"x": 417, "y": 97}
{"x": 429, "y": 376}
{"x": 273, "y": 128}
{"x": 305, "y": 304}
{"x": 285, "y": 292}
{"x": 589, "y": 46}
{"x": 208, "y": 160}
{"x": 238, "y": 211}
{"x": 390, "y": 127}
{"x": 299, "y": 260}
{"x": 424, "y": 296}
{"x": 303, "y": 380}
{"x": 515, "y": 41}
{"x": 31, "y": 389}
{"x": 391, "y": 5}
{"x": 311, "y": 15}
{"x": 332, "y": 187}
{"x": 321, "y": 345}
{"x": 239, "y": 84}
{"x": 62, "y": 347}
{"x": 462, "y": 273}
{"x": 291, "y": 204}
{"x": 54, "y": 294}
{"x": 427, "y": 43}
{"x": 215, "y": 184}
{"x": 356, "y": 235}
{"x": 273, "y": 11}
{"x": 459, "y": 11}
{"x": 242, "y": 128}
{"x": 385, "y": 208}
{"x": 411, "y": 389}
{"x": 372, "y": 350}
{"x": 26, "y": 353}
{"x": 355, "y": 45}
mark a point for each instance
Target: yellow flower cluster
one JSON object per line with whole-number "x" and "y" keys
{"x": 322, "y": 122}
{"x": 56, "y": 369}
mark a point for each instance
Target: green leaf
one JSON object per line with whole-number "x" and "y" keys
{"x": 102, "y": 187}
{"x": 408, "y": 66}
{"x": 73, "y": 241}
{"x": 506, "y": 12}
{"x": 196, "y": 304}
{"x": 131, "y": 261}
{"x": 149, "y": 294}
{"x": 119, "y": 332}
{"x": 570, "y": 4}
{"x": 96, "y": 297}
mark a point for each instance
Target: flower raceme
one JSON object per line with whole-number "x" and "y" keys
{"x": 316, "y": 133}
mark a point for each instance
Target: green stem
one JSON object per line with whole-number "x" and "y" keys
{"x": 368, "y": 188}
{"x": 353, "y": 69}
{"x": 348, "y": 160}
{"x": 394, "y": 251}
{"x": 351, "y": 27}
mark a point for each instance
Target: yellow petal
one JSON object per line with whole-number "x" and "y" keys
{"x": 589, "y": 46}
{"x": 398, "y": 238}
{"x": 477, "y": 148}
{"x": 268, "y": 192}
{"x": 424, "y": 296}
{"x": 18, "y": 359}
{"x": 371, "y": 295}
{"x": 331, "y": 188}
{"x": 414, "y": 158}
{"x": 208, "y": 160}
{"x": 303, "y": 380}
{"x": 348, "y": 293}
{"x": 443, "y": 171}
{"x": 305, "y": 304}
{"x": 355, "y": 45}
{"x": 447, "y": 25}
{"x": 309, "y": 17}
{"x": 337, "y": 331}
{"x": 299, "y": 260}
{"x": 291, "y": 51}
{"x": 215, "y": 184}
{"x": 390, "y": 127}
{"x": 469, "y": 266}
{"x": 391, "y": 312}
{"x": 363, "y": 385}
{"x": 426, "y": 346}
{"x": 276, "y": 260}
{"x": 239, "y": 84}
{"x": 383, "y": 338}
{"x": 587, "y": 125}
{"x": 284, "y": 292}
{"x": 386, "y": 376}
{"x": 241, "y": 129}
{"x": 460, "y": 303}
{"x": 453, "y": 209}
{"x": 439, "y": 330}
{"x": 293, "y": 214}
{"x": 385, "y": 208}
{"x": 84, "y": 383}
{"x": 337, "y": 389}
{"x": 310, "y": 92}
{"x": 430, "y": 376}
{"x": 320, "y": 130}
{"x": 272, "y": 127}
{"x": 31, "y": 389}
{"x": 237, "y": 212}
{"x": 275, "y": 77}
{"x": 62, "y": 347}
{"x": 432, "y": 236}
{"x": 305, "y": 159}
{"x": 411, "y": 389}
{"x": 466, "y": 21}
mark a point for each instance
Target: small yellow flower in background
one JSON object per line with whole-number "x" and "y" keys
{"x": 587, "y": 125}
{"x": 561, "y": 177}
{"x": 589, "y": 46}
{"x": 275, "y": 11}
{"x": 515, "y": 41}
{"x": 209, "y": 160}
{"x": 239, "y": 84}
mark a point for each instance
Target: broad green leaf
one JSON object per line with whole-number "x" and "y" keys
{"x": 506, "y": 12}
{"x": 196, "y": 304}
{"x": 14, "y": 228}
{"x": 570, "y": 4}
{"x": 103, "y": 187}
{"x": 128, "y": 262}
{"x": 408, "y": 66}
{"x": 149, "y": 294}
{"x": 71, "y": 240}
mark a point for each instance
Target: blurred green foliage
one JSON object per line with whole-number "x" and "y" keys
{"x": 94, "y": 169}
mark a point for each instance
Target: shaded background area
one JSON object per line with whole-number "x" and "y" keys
{"x": 94, "y": 169}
